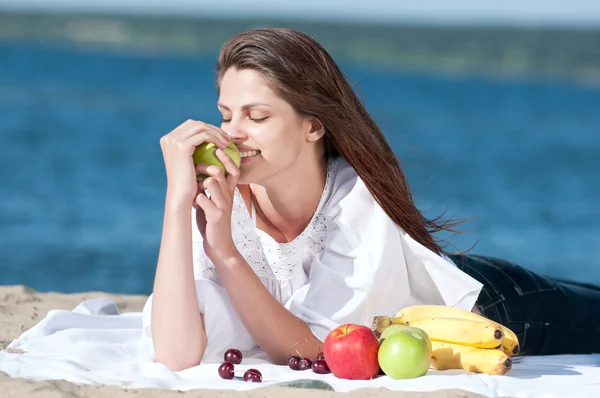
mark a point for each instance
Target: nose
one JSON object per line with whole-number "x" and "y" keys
{"x": 235, "y": 131}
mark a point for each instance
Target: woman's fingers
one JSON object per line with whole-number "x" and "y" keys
{"x": 200, "y": 215}
{"x": 217, "y": 191}
{"x": 187, "y": 144}
{"x": 211, "y": 171}
{"x": 183, "y": 128}
{"x": 202, "y": 169}
{"x": 212, "y": 180}
{"x": 199, "y": 191}
{"x": 201, "y": 137}
{"x": 197, "y": 127}
{"x": 227, "y": 183}
{"x": 233, "y": 171}
{"x": 222, "y": 134}
{"x": 207, "y": 207}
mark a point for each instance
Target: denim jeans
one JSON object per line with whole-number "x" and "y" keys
{"x": 549, "y": 315}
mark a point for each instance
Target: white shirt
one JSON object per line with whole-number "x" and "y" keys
{"x": 350, "y": 264}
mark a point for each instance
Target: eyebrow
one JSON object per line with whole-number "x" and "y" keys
{"x": 245, "y": 107}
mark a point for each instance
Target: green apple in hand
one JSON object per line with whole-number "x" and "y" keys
{"x": 207, "y": 153}
{"x": 405, "y": 354}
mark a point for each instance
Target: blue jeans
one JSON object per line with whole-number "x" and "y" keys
{"x": 549, "y": 315}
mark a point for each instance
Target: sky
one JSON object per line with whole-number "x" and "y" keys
{"x": 519, "y": 12}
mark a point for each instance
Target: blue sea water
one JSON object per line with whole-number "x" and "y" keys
{"x": 82, "y": 180}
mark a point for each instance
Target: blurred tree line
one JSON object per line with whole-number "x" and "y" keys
{"x": 565, "y": 53}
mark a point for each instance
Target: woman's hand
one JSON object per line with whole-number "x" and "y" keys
{"x": 213, "y": 215}
{"x": 178, "y": 148}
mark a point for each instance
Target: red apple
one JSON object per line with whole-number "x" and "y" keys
{"x": 351, "y": 352}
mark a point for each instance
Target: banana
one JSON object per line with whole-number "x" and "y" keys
{"x": 478, "y": 360}
{"x": 461, "y": 331}
{"x": 510, "y": 344}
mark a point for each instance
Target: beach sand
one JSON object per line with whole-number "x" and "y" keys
{"x": 22, "y": 307}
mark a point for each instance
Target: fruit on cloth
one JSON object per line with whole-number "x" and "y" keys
{"x": 459, "y": 339}
{"x": 294, "y": 362}
{"x": 408, "y": 315}
{"x": 304, "y": 364}
{"x": 253, "y": 375}
{"x": 232, "y": 355}
{"x": 320, "y": 366}
{"x": 478, "y": 360}
{"x": 351, "y": 352}
{"x": 226, "y": 370}
{"x": 405, "y": 354}
{"x": 400, "y": 328}
{"x": 480, "y": 334}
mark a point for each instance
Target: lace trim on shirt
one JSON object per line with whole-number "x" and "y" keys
{"x": 268, "y": 258}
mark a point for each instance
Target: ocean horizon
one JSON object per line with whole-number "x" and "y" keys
{"x": 83, "y": 179}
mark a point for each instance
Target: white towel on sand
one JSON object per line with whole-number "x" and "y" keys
{"x": 95, "y": 344}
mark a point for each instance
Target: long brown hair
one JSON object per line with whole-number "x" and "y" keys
{"x": 303, "y": 73}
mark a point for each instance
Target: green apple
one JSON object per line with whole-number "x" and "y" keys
{"x": 207, "y": 153}
{"x": 405, "y": 354}
{"x": 402, "y": 328}
{"x": 390, "y": 330}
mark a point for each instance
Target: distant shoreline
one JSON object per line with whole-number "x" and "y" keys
{"x": 505, "y": 52}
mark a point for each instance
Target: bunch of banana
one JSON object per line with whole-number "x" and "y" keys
{"x": 460, "y": 339}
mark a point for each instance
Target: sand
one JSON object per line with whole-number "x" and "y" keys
{"x": 22, "y": 307}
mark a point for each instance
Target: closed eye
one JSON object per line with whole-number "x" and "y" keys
{"x": 262, "y": 119}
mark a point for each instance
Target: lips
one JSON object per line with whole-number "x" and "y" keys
{"x": 245, "y": 149}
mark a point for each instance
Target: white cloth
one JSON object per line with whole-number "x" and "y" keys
{"x": 350, "y": 264}
{"x": 93, "y": 344}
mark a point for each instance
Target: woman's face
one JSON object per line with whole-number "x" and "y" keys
{"x": 271, "y": 136}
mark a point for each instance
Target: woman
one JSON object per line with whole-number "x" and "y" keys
{"x": 316, "y": 228}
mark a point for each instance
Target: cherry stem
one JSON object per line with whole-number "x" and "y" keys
{"x": 318, "y": 347}
{"x": 306, "y": 341}
{"x": 292, "y": 347}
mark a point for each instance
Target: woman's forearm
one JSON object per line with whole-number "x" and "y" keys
{"x": 272, "y": 326}
{"x": 178, "y": 332}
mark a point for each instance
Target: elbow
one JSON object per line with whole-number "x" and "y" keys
{"x": 182, "y": 357}
{"x": 179, "y": 362}
{"x": 179, "y": 357}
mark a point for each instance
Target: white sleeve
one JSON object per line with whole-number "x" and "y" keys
{"x": 224, "y": 328}
{"x": 369, "y": 266}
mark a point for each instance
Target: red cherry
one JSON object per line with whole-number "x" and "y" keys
{"x": 305, "y": 364}
{"x": 226, "y": 370}
{"x": 294, "y": 362}
{"x": 253, "y": 375}
{"x": 232, "y": 355}
{"x": 320, "y": 366}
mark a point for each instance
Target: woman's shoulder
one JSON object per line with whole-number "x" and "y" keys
{"x": 346, "y": 185}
